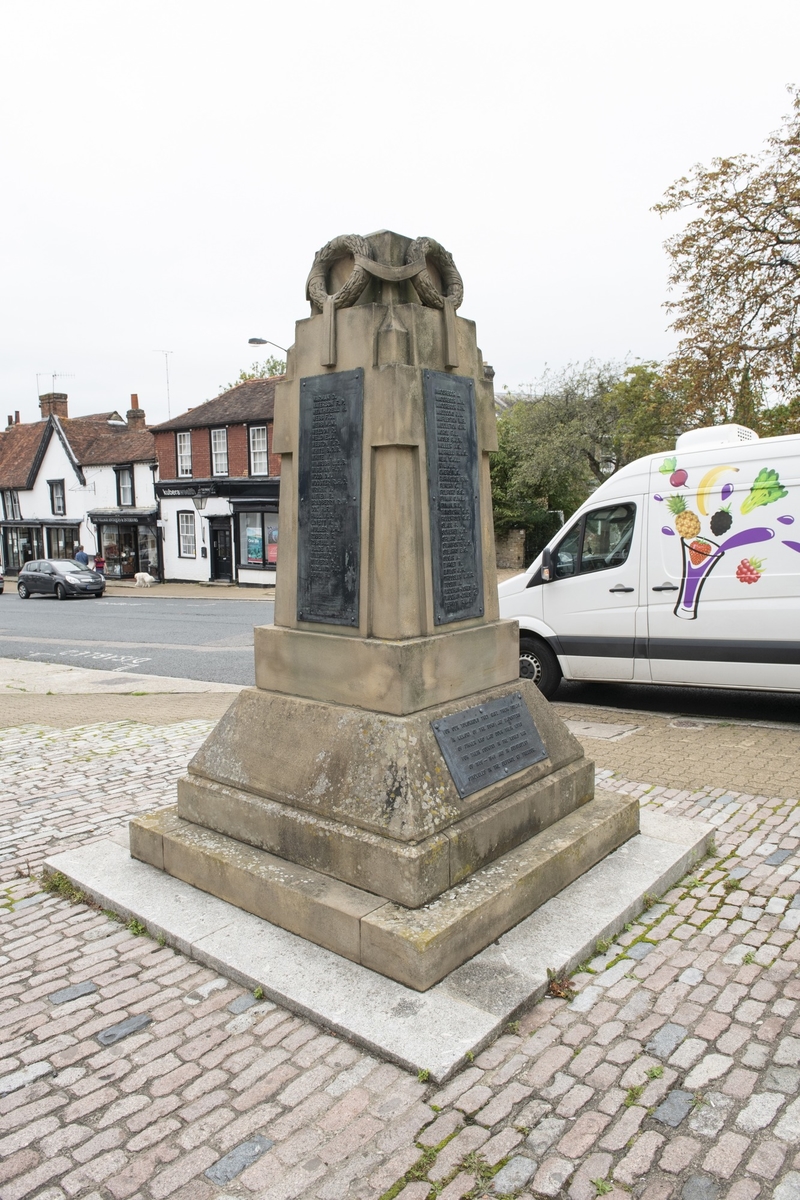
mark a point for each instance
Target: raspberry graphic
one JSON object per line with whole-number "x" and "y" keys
{"x": 750, "y": 570}
{"x": 721, "y": 521}
{"x": 699, "y": 552}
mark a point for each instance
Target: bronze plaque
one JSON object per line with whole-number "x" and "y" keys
{"x": 329, "y": 492}
{"x": 453, "y": 489}
{"x": 489, "y": 742}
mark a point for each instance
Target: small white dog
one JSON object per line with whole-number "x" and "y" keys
{"x": 143, "y": 579}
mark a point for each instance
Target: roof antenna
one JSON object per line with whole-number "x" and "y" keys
{"x": 54, "y": 375}
{"x": 166, "y": 354}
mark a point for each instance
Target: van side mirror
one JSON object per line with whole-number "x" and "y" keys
{"x": 547, "y": 565}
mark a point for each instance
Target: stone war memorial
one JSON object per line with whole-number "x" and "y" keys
{"x": 390, "y": 789}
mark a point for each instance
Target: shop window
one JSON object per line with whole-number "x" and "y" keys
{"x": 21, "y": 545}
{"x": 118, "y": 548}
{"x": 11, "y": 505}
{"x": 57, "y": 504}
{"x": 219, "y": 451}
{"x": 259, "y": 457}
{"x": 184, "y": 455}
{"x": 125, "y": 496}
{"x": 62, "y": 543}
{"x": 186, "y": 535}
{"x": 258, "y": 539}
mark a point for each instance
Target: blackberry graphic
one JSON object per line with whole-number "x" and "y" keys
{"x": 721, "y": 521}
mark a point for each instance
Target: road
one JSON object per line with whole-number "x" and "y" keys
{"x": 213, "y": 640}
{"x": 189, "y": 639}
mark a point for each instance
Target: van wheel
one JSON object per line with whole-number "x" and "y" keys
{"x": 538, "y": 663}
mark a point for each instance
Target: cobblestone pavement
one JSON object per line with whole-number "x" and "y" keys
{"x": 127, "y": 1071}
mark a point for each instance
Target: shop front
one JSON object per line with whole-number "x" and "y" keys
{"x": 128, "y": 541}
{"x": 23, "y": 542}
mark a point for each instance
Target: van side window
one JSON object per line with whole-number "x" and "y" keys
{"x": 599, "y": 541}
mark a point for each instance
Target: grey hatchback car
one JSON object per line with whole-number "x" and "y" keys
{"x": 59, "y": 577}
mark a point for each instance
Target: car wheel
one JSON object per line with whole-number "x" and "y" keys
{"x": 538, "y": 663}
{"x": 22, "y": 591}
{"x": 60, "y": 593}
{"x": 97, "y": 595}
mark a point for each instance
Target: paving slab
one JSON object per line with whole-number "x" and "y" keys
{"x": 436, "y": 1031}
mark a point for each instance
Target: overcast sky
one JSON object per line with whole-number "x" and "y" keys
{"x": 170, "y": 167}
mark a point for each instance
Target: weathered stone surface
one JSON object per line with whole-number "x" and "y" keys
{"x": 319, "y": 908}
{"x": 115, "y": 1033}
{"x": 668, "y": 1038}
{"x": 676, "y": 1106}
{"x": 233, "y": 1163}
{"x": 410, "y": 874}
{"x": 384, "y": 774}
{"x": 513, "y": 1176}
{"x": 388, "y": 676}
{"x": 64, "y": 995}
{"x": 20, "y": 1079}
{"x": 421, "y": 946}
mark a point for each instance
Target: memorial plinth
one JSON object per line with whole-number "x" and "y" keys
{"x": 390, "y": 789}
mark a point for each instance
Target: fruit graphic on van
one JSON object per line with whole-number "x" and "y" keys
{"x": 721, "y": 521}
{"x": 687, "y": 523}
{"x": 750, "y": 570}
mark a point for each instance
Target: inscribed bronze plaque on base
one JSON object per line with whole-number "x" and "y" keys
{"x": 453, "y": 481}
{"x": 489, "y": 742}
{"x": 329, "y": 497}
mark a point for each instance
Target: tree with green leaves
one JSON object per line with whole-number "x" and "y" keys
{"x": 736, "y": 263}
{"x": 266, "y": 370}
{"x": 561, "y": 438}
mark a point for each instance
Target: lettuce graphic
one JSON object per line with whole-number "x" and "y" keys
{"x": 766, "y": 489}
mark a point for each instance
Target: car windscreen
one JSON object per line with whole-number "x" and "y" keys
{"x": 67, "y": 567}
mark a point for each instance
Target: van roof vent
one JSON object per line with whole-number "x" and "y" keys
{"x": 715, "y": 435}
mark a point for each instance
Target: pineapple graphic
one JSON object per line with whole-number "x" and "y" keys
{"x": 687, "y": 523}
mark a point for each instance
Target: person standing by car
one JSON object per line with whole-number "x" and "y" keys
{"x": 81, "y": 556}
{"x": 99, "y": 564}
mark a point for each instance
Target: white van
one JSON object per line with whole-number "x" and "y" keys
{"x": 682, "y": 568}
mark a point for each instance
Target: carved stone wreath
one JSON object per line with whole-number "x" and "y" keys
{"x": 358, "y": 248}
{"x": 429, "y": 294}
{"x": 347, "y": 245}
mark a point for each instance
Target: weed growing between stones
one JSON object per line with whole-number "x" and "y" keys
{"x": 61, "y": 886}
{"x": 601, "y": 1186}
{"x": 423, "y": 1075}
{"x": 559, "y": 985}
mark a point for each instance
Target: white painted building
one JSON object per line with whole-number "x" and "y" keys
{"x": 75, "y": 481}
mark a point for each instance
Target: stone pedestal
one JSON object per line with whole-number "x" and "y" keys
{"x": 390, "y": 789}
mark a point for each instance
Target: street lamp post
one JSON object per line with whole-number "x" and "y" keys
{"x": 266, "y": 342}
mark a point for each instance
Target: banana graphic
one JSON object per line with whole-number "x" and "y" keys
{"x": 707, "y": 483}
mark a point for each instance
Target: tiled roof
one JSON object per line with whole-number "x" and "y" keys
{"x": 253, "y": 400}
{"x": 19, "y": 446}
{"x": 95, "y": 443}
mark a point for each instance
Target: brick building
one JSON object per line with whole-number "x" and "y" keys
{"x": 218, "y": 488}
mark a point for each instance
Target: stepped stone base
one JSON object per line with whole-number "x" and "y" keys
{"x": 416, "y": 947}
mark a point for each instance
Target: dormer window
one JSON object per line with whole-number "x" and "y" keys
{"x": 57, "y": 503}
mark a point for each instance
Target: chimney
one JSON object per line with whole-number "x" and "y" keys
{"x": 16, "y": 416}
{"x": 54, "y": 404}
{"x": 135, "y": 414}
{"x": 10, "y": 420}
